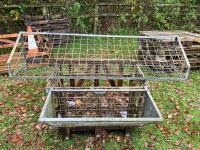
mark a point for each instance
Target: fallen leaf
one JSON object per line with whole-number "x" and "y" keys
{"x": 177, "y": 143}
{"x": 12, "y": 113}
{"x": 35, "y": 108}
{"x": 44, "y": 126}
{"x": 78, "y": 102}
{"x": 189, "y": 117}
{"x": 24, "y": 109}
{"x": 186, "y": 111}
{"x": 177, "y": 132}
{"x": 153, "y": 137}
{"x": 17, "y": 138}
{"x": 43, "y": 98}
{"x": 118, "y": 139}
{"x": 38, "y": 127}
{"x": 71, "y": 147}
{"x": 146, "y": 144}
{"x": 110, "y": 136}
{"x": 178, "y": 91}
{"x": 170, "y": 116}
{"x": 1, "y": 119}
{"x": 164, "y": 130}
{"x": 21, "y": 119}
{"x": 190, "y": 146}
{"x": 3, "y": 130}
{"x": 158, "y": 125}
{"x": 177, "y": 107}
{"x": 151, "y": 145}
{"x": 1, "y": 103}
{"x": 186, "y": 129}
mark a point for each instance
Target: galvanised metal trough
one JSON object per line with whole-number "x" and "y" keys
{"x": 81, "y": 107}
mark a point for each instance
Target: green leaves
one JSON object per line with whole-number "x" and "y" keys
{"x": 15, "y": 14}
{"x": 176, "y": 14}
{"x": 74, "y": 9}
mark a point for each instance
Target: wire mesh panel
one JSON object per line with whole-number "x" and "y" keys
{"x": 65, "y": 83}
{"x": 85, "y": 56}
{"x": 99, "y": 107}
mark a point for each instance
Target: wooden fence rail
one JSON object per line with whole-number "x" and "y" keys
{"x": 7, "y": 40}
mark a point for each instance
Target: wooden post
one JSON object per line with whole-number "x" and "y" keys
{"x": 112, "y": 82}
{"x": 66, "y": 130}
{"x": 68, "y": 133}
{"x": 96, "y": 81}
{"x": 121, "y": 70}
{"x": 72, "y": 81}
{"x": 79, "y": 82}
{"x": 128, "y": 131}
{"x": 96, "y": 18}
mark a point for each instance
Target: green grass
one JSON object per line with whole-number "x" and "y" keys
{"x": 96, "y": 47}
{"x": 21, "y": 103}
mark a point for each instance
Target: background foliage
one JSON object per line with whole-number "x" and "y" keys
{"x": 143, "y": 15}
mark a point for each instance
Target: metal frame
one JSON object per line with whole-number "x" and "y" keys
{"x": 185, "y": 56}
{"x": 58, "y": 84}
{"x": 155, "y": 76}
{"x": 75, "y": 122}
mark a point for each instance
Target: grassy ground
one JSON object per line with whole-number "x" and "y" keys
{"x": 21, "y": 103}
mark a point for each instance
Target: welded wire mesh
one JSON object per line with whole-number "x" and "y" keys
{"x": 99, "y": 107}
{"x": 99, "y": 104}
{"x": 98, "y": 57}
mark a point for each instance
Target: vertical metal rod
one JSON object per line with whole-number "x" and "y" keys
{"x": 131, "y": 105}
{"x": 25, "y": 57}
{"x": 67, "y": 130}
{"x": 96, "y": 84}
{"x": 185, "y": 56}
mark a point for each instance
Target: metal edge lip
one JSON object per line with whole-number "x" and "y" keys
{"x": 97, "y": 35}
{"x": 155, "y": 106}
{"x": 125, "y": 78}
{"x": 185, "y": 57}
{"x": 99, "y": 119}
{"x": 45, "y": 104}
{"x": 99, "y": 89}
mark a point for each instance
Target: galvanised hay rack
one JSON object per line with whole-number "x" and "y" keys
{"x": 115, "y": 67}
{"x": 85, "y": 56}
